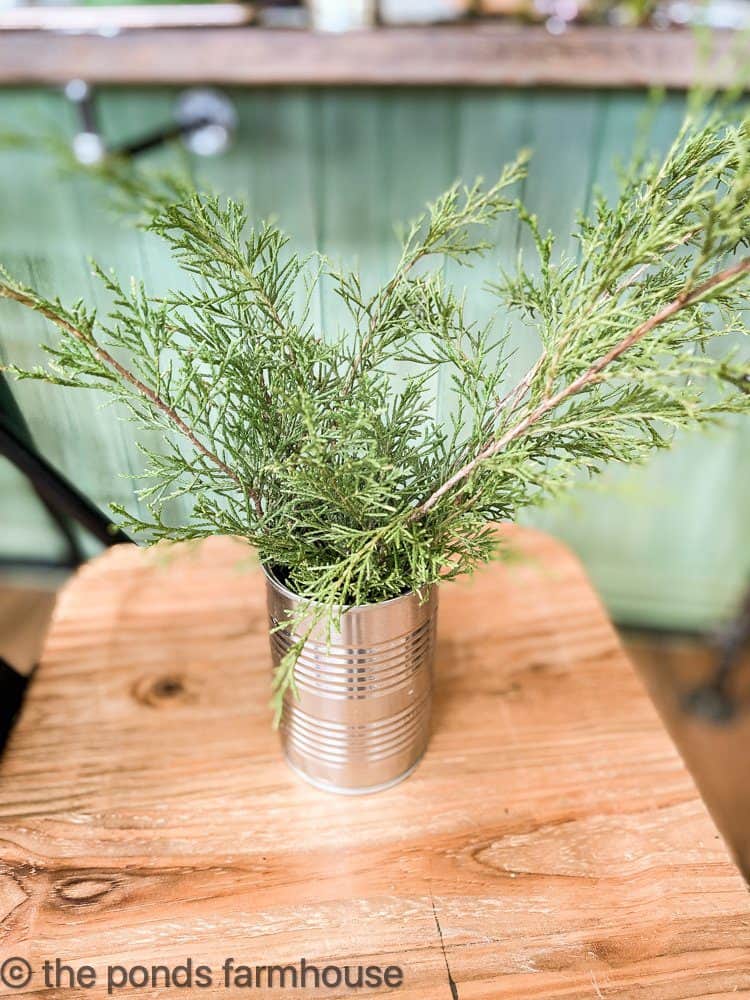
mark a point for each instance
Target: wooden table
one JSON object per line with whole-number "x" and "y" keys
{"x": 550, "y": 845}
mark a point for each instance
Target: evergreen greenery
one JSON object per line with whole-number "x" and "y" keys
{"x": 312, "y": 445}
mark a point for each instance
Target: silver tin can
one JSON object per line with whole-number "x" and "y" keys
{"x": 361, "y": 720}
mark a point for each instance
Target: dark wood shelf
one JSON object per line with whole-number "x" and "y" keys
{"x": 482, "y": 55}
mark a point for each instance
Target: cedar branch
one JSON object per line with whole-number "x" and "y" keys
{"x": 687, "y": 298}
{"x": 16, "y": 295}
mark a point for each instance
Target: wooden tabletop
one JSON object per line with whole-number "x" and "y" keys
{"x": 550, "y": 845}
{"x": 481, "y": 54}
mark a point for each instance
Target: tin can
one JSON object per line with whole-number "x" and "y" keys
{"x": 361, "y": 719}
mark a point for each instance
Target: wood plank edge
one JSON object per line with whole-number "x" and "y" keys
{"x": 481, "y": 55}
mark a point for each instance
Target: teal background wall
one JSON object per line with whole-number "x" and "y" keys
{"x": 667, "y": 544}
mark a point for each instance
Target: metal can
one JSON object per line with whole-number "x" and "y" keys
{"x": 361, "y": 720}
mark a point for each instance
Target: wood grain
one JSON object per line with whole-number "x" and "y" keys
{"x": 550, "y": 845}
{"x": 483, "y": 55}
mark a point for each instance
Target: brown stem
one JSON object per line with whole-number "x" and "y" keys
{"x": 106, "y": 358}
{"x": 622, "y": 287}
{"x": 686, "y": 298}
{"x": 511, "y": 400}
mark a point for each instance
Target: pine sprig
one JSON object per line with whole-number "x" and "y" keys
{"x": 312, "y": 445}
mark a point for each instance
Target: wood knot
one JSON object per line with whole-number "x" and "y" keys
{"x": 168, "y": 687}
{"x": 85, "y": 890}
{"x": 164, "y": 691}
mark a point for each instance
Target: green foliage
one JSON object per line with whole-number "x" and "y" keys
{"x": 312, "y": 446}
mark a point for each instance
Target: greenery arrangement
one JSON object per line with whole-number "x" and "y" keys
{"x": 314, "y": 447}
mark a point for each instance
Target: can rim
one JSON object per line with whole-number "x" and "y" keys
{"x": 341, "y": 608}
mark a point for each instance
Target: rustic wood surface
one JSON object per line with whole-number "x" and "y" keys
{"x": 550, "y": 845}
{"x": 483, "y": 54}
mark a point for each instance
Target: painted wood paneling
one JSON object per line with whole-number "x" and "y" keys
{"x": 665, "y": 544}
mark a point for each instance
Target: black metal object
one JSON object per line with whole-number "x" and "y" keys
{"x": 204, "y": 119}
{"x": 13, "y": 425}
{"x": 714, "y": 700}
{"x": 158, "y": 137}
{"x": 63, "y": 502}
{"x": 12, "y": 689}
{"x": 60, "y": 497}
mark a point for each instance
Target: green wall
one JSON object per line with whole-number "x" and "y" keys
{"x": 667, "y": 544}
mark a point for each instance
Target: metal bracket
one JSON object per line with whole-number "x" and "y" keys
{"x": 204, "y": 119}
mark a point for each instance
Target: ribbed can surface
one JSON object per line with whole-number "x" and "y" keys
{"x": 362, "y": 718}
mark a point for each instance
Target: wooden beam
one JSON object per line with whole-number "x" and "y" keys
{"x": 480, "y": 54}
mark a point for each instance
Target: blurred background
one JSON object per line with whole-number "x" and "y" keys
{"x": 340, "y": 119}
